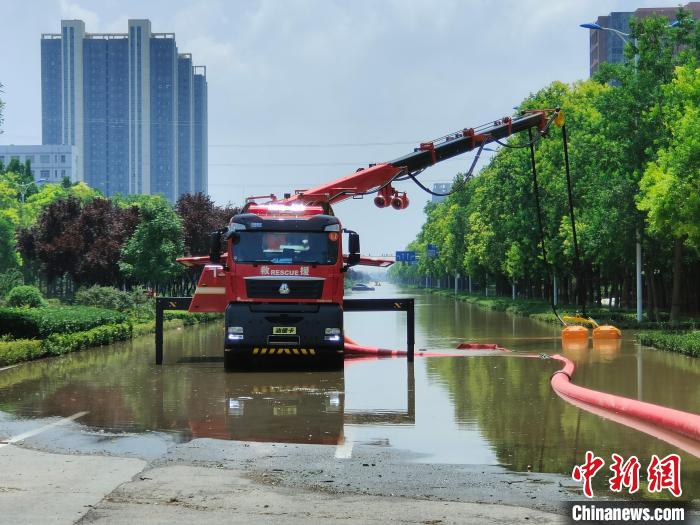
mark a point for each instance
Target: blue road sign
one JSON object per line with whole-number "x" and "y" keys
{"x": 432, "y": 251}
{"x": 408, "y": 257}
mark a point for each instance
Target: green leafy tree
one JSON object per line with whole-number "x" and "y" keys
{"x": 149, "y": 254}
{"x": 8, "y": 246}
{"x": 669, "y": 187}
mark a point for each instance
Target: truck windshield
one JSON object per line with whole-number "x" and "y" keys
{"x": 286, "y": 247}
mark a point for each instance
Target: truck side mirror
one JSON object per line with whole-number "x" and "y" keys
{"x": 353, "y": 249}
{"x": 354, "y": 243}
{"x": 215, "y": 247}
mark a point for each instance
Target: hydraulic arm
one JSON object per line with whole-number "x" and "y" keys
{"x": 378, "y": 178}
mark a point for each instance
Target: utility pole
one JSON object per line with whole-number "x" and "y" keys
{"x": 639, "y": 276}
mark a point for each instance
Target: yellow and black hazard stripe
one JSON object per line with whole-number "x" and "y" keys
{"x": 284, "y": 351}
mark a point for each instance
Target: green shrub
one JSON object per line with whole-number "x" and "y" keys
{"x": 105, "y": 297}
{"x": 39, "y": 323}
{"x": 58, "y": 344}
{"x": 26, "y": 296}
{"x": 139, "y": 296}
{"x": 20, "y": 350}
{"x": 682, "y": 342}
{"x": 9, "y": 280}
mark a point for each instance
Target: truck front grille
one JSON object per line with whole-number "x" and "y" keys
{"x": 299, "y": 288}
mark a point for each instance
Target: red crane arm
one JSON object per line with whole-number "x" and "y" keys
{"x": 361, "y": 181}
{"x": 428, "y": 153}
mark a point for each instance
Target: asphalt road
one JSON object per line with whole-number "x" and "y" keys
{"x": 54, "y": 471}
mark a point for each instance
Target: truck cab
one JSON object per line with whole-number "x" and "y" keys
{"x": 283, "y": 283}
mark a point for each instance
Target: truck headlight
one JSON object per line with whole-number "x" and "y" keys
{"x": 235, "y": 333}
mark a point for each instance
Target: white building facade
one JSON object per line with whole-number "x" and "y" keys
{"x": 48, "y": 162}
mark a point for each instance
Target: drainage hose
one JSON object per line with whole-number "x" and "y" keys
{"x": 645, "y": 417}
{"x": 684, "y": 423}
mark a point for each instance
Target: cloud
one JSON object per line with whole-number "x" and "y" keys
{"x": 71, "y": 11}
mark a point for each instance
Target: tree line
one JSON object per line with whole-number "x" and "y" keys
{"x": 634, "y": 148}
{"x": 68, "y": 235}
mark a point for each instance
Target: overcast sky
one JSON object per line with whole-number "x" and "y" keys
{"x": 346, "y": 82}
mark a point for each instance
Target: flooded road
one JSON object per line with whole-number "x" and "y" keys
{"x": 491, "y": 411}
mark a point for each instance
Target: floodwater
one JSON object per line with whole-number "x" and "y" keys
{"x": 480, "y": 410}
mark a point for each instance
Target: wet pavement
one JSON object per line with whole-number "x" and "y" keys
{"x": 440, "y": 428}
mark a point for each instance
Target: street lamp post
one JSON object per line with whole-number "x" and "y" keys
{"x": 638, "y": 248}
{"x": 24, "y": 186}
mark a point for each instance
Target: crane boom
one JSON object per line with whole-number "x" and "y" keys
{"x": 378, "y": 176}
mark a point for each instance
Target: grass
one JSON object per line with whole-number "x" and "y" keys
{"x": 687, "y": 343}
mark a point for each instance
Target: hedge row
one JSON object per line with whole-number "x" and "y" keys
{"x": 57, "y": 344}
{"x": 12, "y": 352}
{"x": 682, "y": 342}
{"x": 40, "y": 323}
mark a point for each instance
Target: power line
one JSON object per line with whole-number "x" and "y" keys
{"x": 319, "y": 145}
{"x": 303, "y": 164}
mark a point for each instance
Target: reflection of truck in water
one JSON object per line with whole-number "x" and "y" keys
{"x": 289, "y": 408}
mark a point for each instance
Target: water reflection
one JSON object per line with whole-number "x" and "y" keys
{"x": 192, "y": 397}
{"x": 480, "y": 410}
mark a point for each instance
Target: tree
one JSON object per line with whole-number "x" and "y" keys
{"x": 149, "y": 254}
{"x": 200, "y": 216}
{"x": 103, "y": 228}
{"x": 8, "y": 246}
{"x": 669, "y": 187}
{"x": 55, "y": 240}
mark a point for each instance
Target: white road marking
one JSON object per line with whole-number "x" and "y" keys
{"x": 30, "y": 433}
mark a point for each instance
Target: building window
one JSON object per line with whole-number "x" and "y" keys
{"x": 45, "y": 174}
{"x": 63, "y": 173}
{"x": 45, "y": 159}
{"x": 29, "y": 158}
{"x": 63, "y": 159}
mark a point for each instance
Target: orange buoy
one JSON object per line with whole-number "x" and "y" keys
{"x": 607, "y": 332}
{"x": 574, "y": 332}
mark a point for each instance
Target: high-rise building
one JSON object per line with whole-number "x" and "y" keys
{"x": 129, "y": 104}
{"x": 606, "y": 46}
{"x": 185, "y": 123}
{"x": 201, "y": 139}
